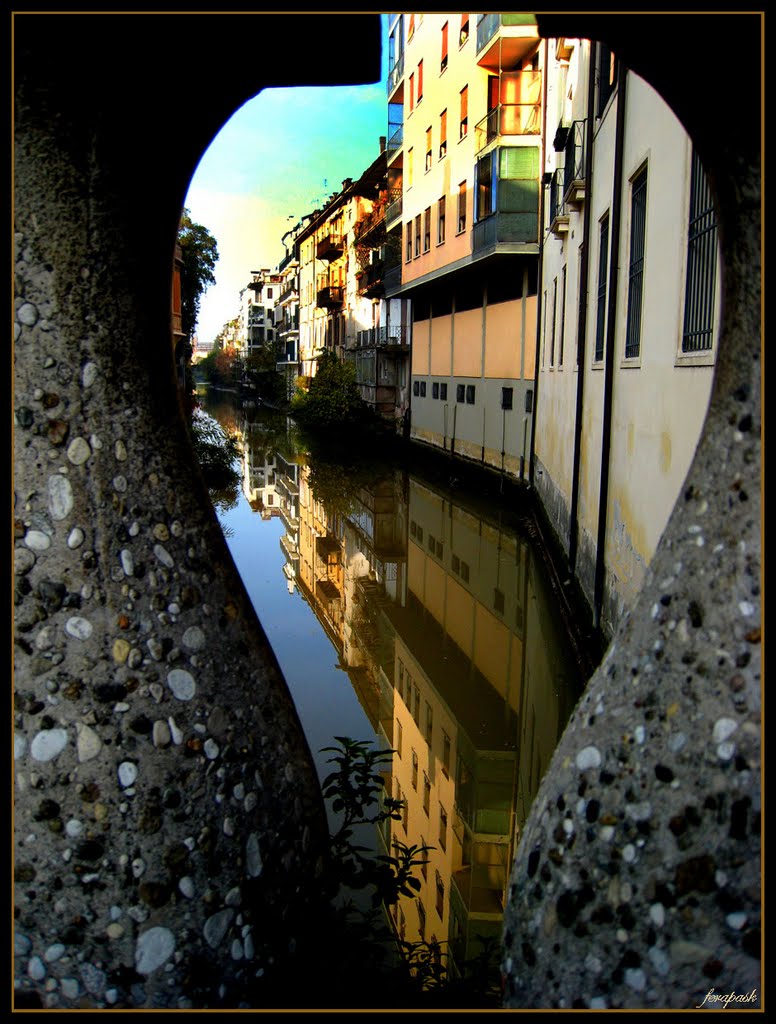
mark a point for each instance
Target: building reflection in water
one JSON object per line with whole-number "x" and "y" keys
{"x": 444, "y": 623}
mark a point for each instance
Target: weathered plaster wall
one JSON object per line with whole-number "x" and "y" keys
{"x": 639, "y": 867}
{"x": 168, "y": 820}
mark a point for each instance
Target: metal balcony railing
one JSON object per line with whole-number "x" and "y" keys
{"x": 370, "y": 224}
{"x": 395, "y": 141}
{"x": 574, "y": 170}
{"x": 395, "y": 74}
{"x": 508, "y": 119}
{"x": 555, "y": 205}
{"x": 394, "y": 208}
{"x": 489, "y": 24}
{"x": 330, "y": 297}
{"x": 330, "y": 247}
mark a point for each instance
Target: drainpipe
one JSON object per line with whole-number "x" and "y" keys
{"x": 598, "y": 591}
{"x": 539, "y": 280}
{"x": 582, "y": 313}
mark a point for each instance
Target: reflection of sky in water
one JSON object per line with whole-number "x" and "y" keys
{"x": 324, "y": 697}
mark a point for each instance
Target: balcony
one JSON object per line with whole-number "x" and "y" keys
{"x": 574, "y": 172}
{"x": 392, "y": 336}
{"x": 508, "y": 119}
{"x": 395, "y": 141}
{"x": 396, "y": 75}
{"x": 370, "y": 281}
{"x": 286, "y": 261}
{"x": 503, "y": 40}
{"x": 370, "y": 229}
{"x": 330, "y": 247}
{"x": 559, "y": 218}
{"x": 330, "y": 297}
{"x": 394, "y": 208}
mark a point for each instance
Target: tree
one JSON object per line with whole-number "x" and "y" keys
{"x": 199, "y": 251}
{"x": 333, "y": 401}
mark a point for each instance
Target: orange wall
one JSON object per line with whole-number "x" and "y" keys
{"x": 467, "y": 357}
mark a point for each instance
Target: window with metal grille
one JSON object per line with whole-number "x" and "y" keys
{"x": 435, "y": 390}
{"x": 638, "y": 234}
{"x": 700, "y": 286}
{"x": 603, "y": 259}
{"x": 460, "y": 392}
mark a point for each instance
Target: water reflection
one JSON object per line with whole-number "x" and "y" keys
{"x": 443, "y": 622}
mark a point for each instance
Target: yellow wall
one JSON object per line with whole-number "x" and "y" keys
{"x": 467, "y": 355}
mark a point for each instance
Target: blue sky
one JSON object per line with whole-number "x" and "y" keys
{"x": 273, "y": 161}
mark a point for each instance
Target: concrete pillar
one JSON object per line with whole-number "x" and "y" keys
{"x": 169, "y": 823}
{"x": 637, "y": 879}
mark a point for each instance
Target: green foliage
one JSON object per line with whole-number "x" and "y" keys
{"x": 333, "y": 401}
{"x": 261, "y": 371}
{"x": 199, "y": 251}
{"x": 221, "y": 367}
{"x": 216, "y": 453}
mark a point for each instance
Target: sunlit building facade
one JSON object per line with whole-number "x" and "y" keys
{"x": 624, "y": 375}
{"x": 465, "y": 142}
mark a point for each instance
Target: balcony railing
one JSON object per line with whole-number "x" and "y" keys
{"x": 508, "y": 119}
{"x": 489, "y": 24}
{"x": 330, "y": 247}
{"x": 395, "y": 335}
{"x": 559, "y": 218}
{"x": 574, "y": 172}
{"x": 395, "y": 74}
{"x": 371, "y": 227}
{"x": 395, "y": 141}
{"x": 370, "y": 281}
{"x": 330, "y": 297}
{"x": 394, "y": 207}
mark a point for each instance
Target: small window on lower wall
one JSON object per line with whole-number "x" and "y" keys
{"x": 435, "y": 390}
{"x": 470, "y": 394}
{"x": 506, "y": 398}
{"x": 529, "y": 400}
{"x": 416, "y": 387}
{"x": 422, "y": 389}
{"x": 460, "y": 392}
{"x": 443, "y": 392}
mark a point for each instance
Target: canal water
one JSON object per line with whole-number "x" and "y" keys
{"x": 413, "y": 618}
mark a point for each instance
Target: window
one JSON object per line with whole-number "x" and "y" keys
{"x": 456, "y": 564}
{"x": 462, "y": 207}
{"x": 401, "y": 663}
{"x": 606, "y": 72}
{"x": 470, "y": 394}
{"x": 435, "y": 390}
{"x": 638, "y": 232}
{"x": 426, "y": 794}
{"x": 485, "y": 187}
{"x": 414, "y": 770}
{"x": 428, "y": 149}
{"x": 442, "y": 134}
{"x": 498, "y": 600}
{"x": 441, "y": 204}
{"x": 411, "y": 28}
{"x": 443, "y": 61}
{"x": 269, "y": 293}
{"x": 416, "y": 706}
{"x": 603, "y": 258}
{"x": 429, "y": 710}
{"x": 443, "y": 392}
{"x": 506, "y": 398}
{"x": 410, "y": 154}
{"x": 460, "y": 392}
{"x": 422, "y": 389}
{"x": 412, "y": 92}
{"x": 464, "y": 123}
{"x": 420, "y": 81}
{"x": 440, "y": 895}
{"x": 439, "y": 549}
{"x": 446, "y": 755}
{"x": 554, "y": 314}
{"x": 465, "y": 571}
{"x": 700, "y": 285}
{"x": 424, "y": 864}
{"x": 431, "y": 543}
{"x": 562, "y": 316}
{"x": 417, "y": 235}
{"x": 399, "y": 736}
{"x": 442, "y": 827}
{"x": 408, "y": 237}
{"x": 463, "y": 35}
{"x": 427, "y": 229}
{"x": 529, "y": 400}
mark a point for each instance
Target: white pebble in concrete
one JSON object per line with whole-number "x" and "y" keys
{"x": 182, "y": 684}
{"x": 154, "y": 947}
{"x": 48, "y": 744}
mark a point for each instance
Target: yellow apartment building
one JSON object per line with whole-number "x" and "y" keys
{"x": 465, "y": 141}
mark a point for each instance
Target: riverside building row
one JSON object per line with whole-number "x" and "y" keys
{"x": 527, "y": 277}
